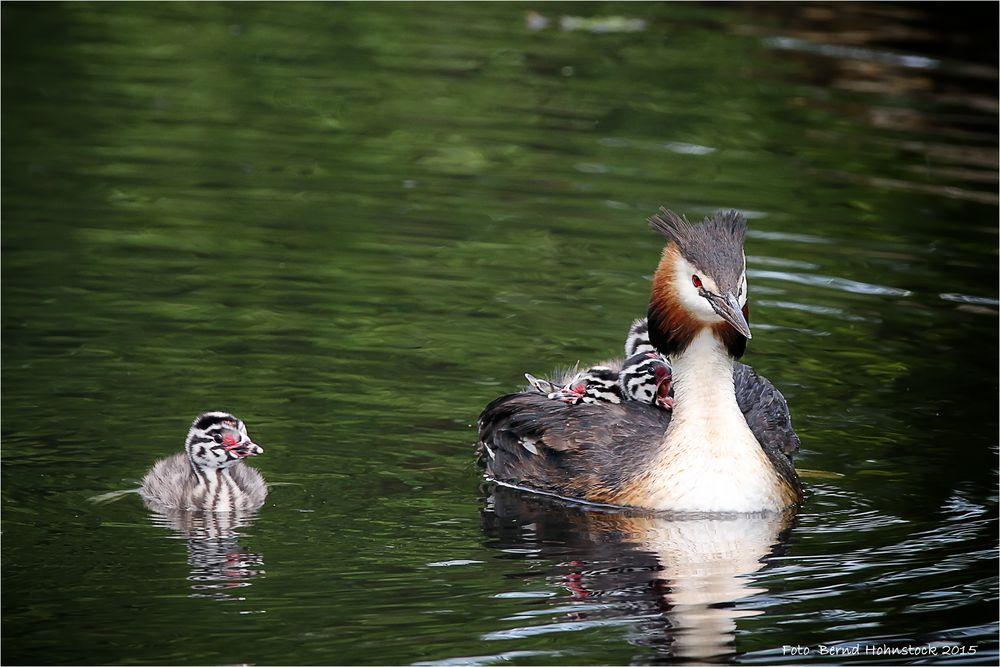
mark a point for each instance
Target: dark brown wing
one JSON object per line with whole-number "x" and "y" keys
{"x": 587, "y": 451}
{"x": 767, "y": 415}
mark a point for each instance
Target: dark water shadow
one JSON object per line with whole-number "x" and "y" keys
{"x": 676, "y": 584}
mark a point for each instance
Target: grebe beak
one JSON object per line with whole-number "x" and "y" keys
{"x": 252, "y": 448}
{"x": 729, "y": 309}
{"x": 241, "y": 448}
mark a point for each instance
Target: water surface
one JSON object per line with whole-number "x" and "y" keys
{"x": 353, "y": 225}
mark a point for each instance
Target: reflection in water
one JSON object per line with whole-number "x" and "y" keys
{"x": 880, "y": 54}
{"x": 219, "y": 565}
{"x": 674, "y": 581}
{"x": 313, "y": 214}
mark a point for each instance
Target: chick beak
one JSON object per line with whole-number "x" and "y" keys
{"x": 729, "y": 309}
{"x": 241, "y": 448}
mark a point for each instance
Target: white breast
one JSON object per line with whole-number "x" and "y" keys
{"x": 711, "y": 461}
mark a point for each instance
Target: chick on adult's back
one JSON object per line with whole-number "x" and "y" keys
{"x": 726, "y": 444}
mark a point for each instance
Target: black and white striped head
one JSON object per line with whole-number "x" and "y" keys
{"x": 646, "y": 377}
{"x": 637, "y": 340}
{"x": 218, "y": 440}
{"x": 597, "y": 384}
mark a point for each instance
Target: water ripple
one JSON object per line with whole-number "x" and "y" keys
{"x": 966, "y": 298}
{"x": 843, "y": 284}
{"x": 688, "y": 149}
{"x": 453, "y": 563}
{"x": 840, "y": 51}
{"x": 572, "y": 626}
{"x": 506, "y": 656}
{"x": 839, "y": 313}
{"x": 785, "y": 236}
{"x": 781, "y": 261}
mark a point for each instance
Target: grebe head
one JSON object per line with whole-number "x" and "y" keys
{"x": 218, "y": 440}
{"x": 597, "y": 384}
{"x": 700, "y": 282}
{"x": 646, "y": 377}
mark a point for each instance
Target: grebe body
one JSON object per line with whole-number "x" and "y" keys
{"x": 721, "y": 443}
{"x": 210, "y": 474}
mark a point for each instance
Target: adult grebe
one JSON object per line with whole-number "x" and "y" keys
{"x": 726, "y": 442}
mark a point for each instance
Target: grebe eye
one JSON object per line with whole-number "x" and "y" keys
{"x": 696, "y": 281}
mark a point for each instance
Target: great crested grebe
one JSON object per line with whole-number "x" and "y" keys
{"x": 210, "y": 474}
{"x": 726, "y": 442}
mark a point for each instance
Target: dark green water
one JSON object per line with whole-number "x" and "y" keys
{"x": 353, "y": 225}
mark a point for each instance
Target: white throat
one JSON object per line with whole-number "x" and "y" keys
{"x": 704, "y": 394}
{"x": 710, "y": 460}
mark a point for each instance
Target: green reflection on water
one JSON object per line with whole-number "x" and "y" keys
{"x": 353, "y": 225}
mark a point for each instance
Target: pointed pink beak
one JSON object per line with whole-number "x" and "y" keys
{"x": 243, "y": 448}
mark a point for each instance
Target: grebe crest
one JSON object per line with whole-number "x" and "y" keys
{"x": 700, "y": 281}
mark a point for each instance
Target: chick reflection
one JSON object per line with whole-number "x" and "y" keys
{"x": 672, "y": 581}
{"x": 219, "y": 565}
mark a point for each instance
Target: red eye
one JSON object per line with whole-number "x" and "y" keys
{"x": 696, "y": 280}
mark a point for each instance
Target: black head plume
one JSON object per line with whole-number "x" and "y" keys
{"x": 715, "y": 246}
